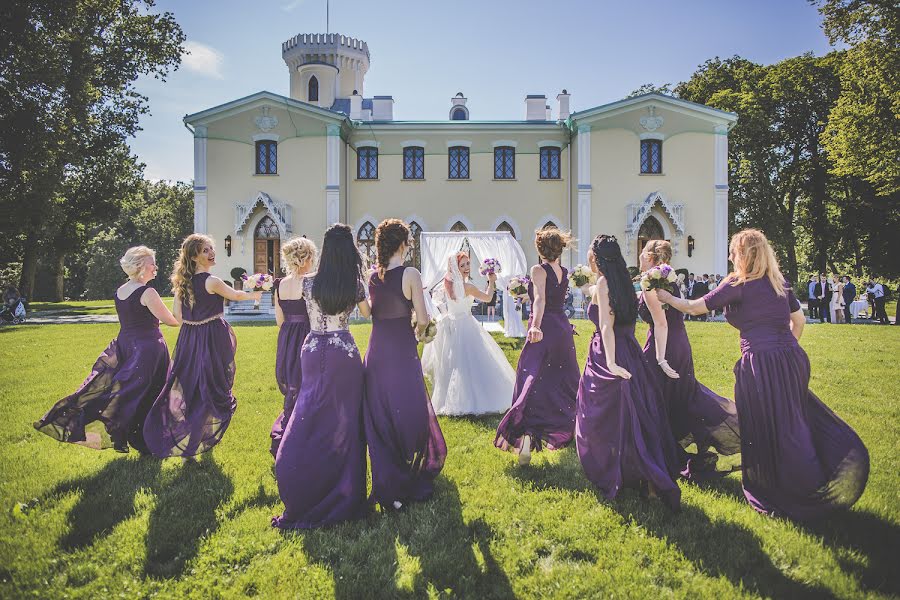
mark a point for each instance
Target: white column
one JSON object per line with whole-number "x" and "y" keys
{"x": 584, "y": 185}
{"x": 200, "y": 151}
{"x": 332, "y": 174}
{"x": 720, "y": 206}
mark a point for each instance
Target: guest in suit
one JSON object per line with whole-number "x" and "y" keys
{"x": 822, "y": 293}
{"x": 877, "y": 291}
{"x": 689, "y": 292}
{"x": 812, "y": 298}
{"x": 701, "y": 288}
{"x": 849, "y": 297}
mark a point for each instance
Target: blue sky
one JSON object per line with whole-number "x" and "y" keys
{"x": 494, "y": 51}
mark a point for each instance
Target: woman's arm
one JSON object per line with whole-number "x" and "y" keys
{"x": 214, "y": 285}
{"x": 798, "y": 320}
{"x": 364, "y": 304}
{"x": 486, "y": 295}
{"x": 690, "y": 307}
{"x": 660, "y": 332}
{"x": 279, "y": 314}
{"x": 176, "y": 308}
{"x": 150, "y": 298}
{"x": 607, "y": 333}
{"x": 539, "y": 285}
{"x": 412, "y": 284}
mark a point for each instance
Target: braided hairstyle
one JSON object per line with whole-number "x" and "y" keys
{"x": 611, "y": 264}
{"x": 389, "y": 236}
{"x": 550, "y": 242}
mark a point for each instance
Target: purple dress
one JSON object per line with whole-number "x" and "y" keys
{"x": 288, "y": 372}
{"x": 543, "y": 403}
{"x": 321, "y": 461}
{"x": 696, "y": 413}
{"x": 406, "y": 446}
{"x": 122, "y": 385}
{"x": 799, "y": 458}
{"x": 195, "y": 407}
{"x": 621, "y": 432}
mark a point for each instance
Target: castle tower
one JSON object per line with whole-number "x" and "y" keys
{"x": 325, "y": 67}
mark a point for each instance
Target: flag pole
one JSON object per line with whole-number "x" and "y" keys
{"x": 327, "y": 30}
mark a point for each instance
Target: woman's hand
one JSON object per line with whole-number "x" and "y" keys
{"x": 535, "y": 335}
{"x": 618, "y": 371}
{"x": 669, "y": 371}
{"x": 256, "y": 295}
{"x": 664, "y": 296}
{"x": 492, "y": 278}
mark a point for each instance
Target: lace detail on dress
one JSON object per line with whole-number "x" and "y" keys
{"x": 324, "y": 323}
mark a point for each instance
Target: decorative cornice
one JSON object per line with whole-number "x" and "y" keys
{"x": 266, "y": 122}
{"x": 279, "y": 211}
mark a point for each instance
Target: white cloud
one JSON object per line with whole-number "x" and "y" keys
{"x": 203, "y": 59}
{"x": 291, "y": 5}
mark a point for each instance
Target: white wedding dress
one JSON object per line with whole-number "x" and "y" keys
{"x": 469, "y": 373}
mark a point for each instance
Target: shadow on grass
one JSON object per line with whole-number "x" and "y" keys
{"x": 716, "y": 548}
{"x": 185, "y": 514}
{"x": 426, "y": 549}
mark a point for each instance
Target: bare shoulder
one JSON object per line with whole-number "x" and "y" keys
{"x": 538, "y": 272}
{"x": 412, "y": 274}
{"x": 601, "y": 285}
{"x": 149, "y": 295}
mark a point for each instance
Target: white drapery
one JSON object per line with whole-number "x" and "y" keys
{"x": 436, "y": 246}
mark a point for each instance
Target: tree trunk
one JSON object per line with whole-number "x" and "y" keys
{"x": 60, "y": 288}
{"x": 29, "y": 266}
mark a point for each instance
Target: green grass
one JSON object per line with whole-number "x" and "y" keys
{"x": 78, "y": 307}
{"x": 80, "y": 523}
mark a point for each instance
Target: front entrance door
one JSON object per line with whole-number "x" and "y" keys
{"x": 650, "y": 230}
{"x": 267, "y": 248}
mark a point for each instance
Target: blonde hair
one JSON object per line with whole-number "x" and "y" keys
{"x": 754, "y": 259}
{"x": 185, "y": 267}
{"x": 297, "y": 251}
{"x": 550, "y": 242}
{"x": 659, "y": 251}
{"x": 135, "y": 259}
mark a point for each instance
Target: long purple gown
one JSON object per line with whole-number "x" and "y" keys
{"x": 195, "y": 407}
{"x": 288, "y": 371}
{"x": 696, "y": 413}
{"x": 406, "y": 446}
{"x": 621, "y": 432}
{"x": 122, "y": 386}
{"x": 321, "y": 462}
{"x": 543, "y": 404}
{"x": 799, "y": 458}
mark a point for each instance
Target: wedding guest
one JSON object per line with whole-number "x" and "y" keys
{"x": 813, "y": 297}
{"x": 696, "y": 414}
{"x": 622, "y": 433}
{"x": 298, "y": 256}
{"x": 129, "y": 374}
{"x": 700, "y": 289}
{"x": 406, "y": 446}
{"x": 799, "y": 459}
{"x": 196, "y": 404}
{"x": 837, "y": 300}
{"x": 824, "y": 296}
{"x": 877, "y": 291}
{"x": 543, "y": 403}
{"x": 849, "y": 297}
{"x": 321, "y": 462}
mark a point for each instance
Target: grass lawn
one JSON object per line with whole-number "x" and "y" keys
{"x": 78, "y": 307}
{"x": 80, "y": 523}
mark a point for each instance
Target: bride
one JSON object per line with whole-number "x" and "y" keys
{"x": 469, "y": 372}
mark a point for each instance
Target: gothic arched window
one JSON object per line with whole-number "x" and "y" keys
{"x": 504, "y": 226}
{"x": 365, "y": 241}
{"x": 549, "y": 224}
{"x": 459, "y": 114}
{"x": 413, "y": 253}
{"x": 459, "y": 226}
{"x": 313, "y": 90}
{"x": 651, "y": 229}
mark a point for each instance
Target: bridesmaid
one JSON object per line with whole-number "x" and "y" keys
{"x": 622, "y": 435}
{"x": 799, "y": 458}
{"x": 696, "y": 413}
{"x": 299, "y": 257}
{"x": 406, "y": 446}
{"x": 129, "y": 374}
{"x": 321, "y": 462}
{"x": 193, "y": 410}
{"x": 543, "y": 405}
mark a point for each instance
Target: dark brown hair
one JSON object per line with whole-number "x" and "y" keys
{"x": 550, "y": 242}
{"x": 389, "y": 236}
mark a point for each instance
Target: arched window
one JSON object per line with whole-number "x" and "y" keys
{"x": 459, "y": 114}
{"x": 365, "y": 241}
{"x": 459, "y": 226}
{"x": 651, "y": 229}
{"x": 312, "y": 94}
{"x": 267, "y": 247}
{"x": 413, "y": 253}
{"x": 651, "y": 156}
{"x": 504, "y": 226}
{"x": 549, "y": 224}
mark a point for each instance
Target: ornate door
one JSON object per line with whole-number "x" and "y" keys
{"x": 267, "y": 248}
{"x": 650, "y": 230}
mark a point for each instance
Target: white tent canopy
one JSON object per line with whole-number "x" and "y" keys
{"x": 436, "y": 246}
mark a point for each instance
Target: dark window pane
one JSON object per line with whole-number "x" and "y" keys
{"x": 367, "y": 163}
{"x": 313, "y": 94}
{"x": 504, "y": 162}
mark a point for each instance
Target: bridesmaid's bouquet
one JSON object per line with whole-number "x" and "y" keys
{"x": 581, "y": 275}
{"x": 257, "y": 282}
{"x": 430, "y": 330}
{"x": 518, "y": 286}
{"x": 490, "y": 266}
{"x": 660, "y": 277}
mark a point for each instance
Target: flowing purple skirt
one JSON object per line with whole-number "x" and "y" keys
{"x": 406, "y": 446}
{"x": 288, "y": 372}
{"x": 321, "y": 462}
{"x": 622, "y": 432}
{"x": 546, "y": 387}
{"x": 195, "y": 407}
{"x": 799, "y": 458}
{"x": 122, "y": 386}
{"x": 696, "y": 413}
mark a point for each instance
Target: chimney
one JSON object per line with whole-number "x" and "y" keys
{"x": 383, "y": 108}
{"x": 563, "y": 100}
{"x": 356, "y": 106}
{"x": 549, "y": 114}
{"x": 458, "y": 110}
{"x": 535, "y": 107}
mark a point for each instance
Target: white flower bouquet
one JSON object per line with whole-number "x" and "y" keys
{"x": 518, "y": 286}
{"x": 428, "y": 334}
{"x": 490, "y": 266}
{"x": 581, "y": 275}
{"x": 257, "y": 282}
{"x": 660, "y": 277}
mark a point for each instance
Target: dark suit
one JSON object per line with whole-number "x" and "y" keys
{"x": 700, "y": 290}
{"x": 824, "y": 313}
{"x": 849, "y": 297}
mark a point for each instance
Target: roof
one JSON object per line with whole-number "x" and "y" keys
{"x": 342, "y": 105}
{"x": 671, "y": 101}
{"x": 224, "y": 110}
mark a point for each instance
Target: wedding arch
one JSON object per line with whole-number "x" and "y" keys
{"x": 436, "y": 246}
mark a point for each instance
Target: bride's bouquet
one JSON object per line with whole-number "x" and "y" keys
{"x": 581, "y": 275}
{"x": 659, "y": 277}
{"x": 518, "y": 286}
{"x": 257, "y": 282}
{"x": 430, "y": 330}
{"x": 490, "y": 266}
